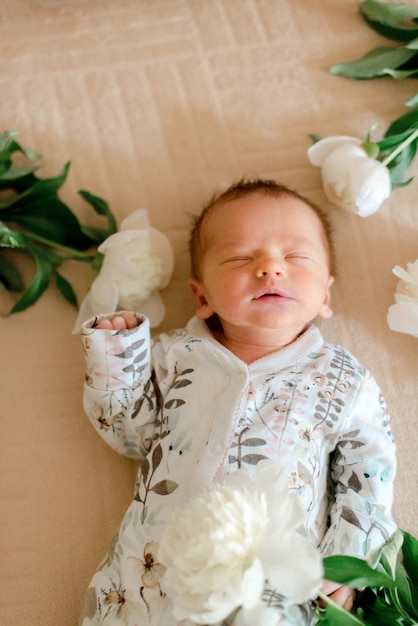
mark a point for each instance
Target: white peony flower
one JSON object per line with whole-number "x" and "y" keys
{"x": 403, "y": 316}
{"x": 351, "y": 179}
{"x": 227, "y": 540}
{"x": 138, "y": 260}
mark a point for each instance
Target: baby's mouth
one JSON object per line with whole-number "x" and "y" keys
{"x": 271, "y": 296}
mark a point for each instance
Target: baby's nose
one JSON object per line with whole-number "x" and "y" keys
{"x": 270, "y": 266}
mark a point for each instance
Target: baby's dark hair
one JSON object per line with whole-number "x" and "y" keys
{"x": 197, "y": 242}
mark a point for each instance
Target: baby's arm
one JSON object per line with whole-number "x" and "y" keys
{"x": 119, "y": 395}
{"x": 362, "y": 472}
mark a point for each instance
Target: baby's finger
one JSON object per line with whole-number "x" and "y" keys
{"x": 104, "y": 325}
{"x": 344, "y": 596}
{"x": 118, "y": 322}
{"x": 130, "y": 319}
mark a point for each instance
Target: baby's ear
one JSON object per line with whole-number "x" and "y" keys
{"x": 325, "y": 310}
{"x": 203, "y": 308}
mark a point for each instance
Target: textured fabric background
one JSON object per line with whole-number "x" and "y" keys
{"x": 159, "y": 103}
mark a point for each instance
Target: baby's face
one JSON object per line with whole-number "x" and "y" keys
{"x": 265, "y": 266}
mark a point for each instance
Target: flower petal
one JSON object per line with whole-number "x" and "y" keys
{"x": 161, "y": 246}
{"x": 153, "y": 308}
{"x": 260, "y": 614}
{"x": 320, "y": 150}
{"x": 410, "y": 275}
{"x": 252, "y": 584}
{"x": 403, "y": 318}
{"x": 293, "y": 567}
{"x": 101, "y": 298}
{"x": 138, "y": 220}
{"x": 354, "y": 181}
{"x": 121, "y": 239}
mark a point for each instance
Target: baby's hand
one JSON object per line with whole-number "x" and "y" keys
{"x": 119, "y": 322}
{"x": 343, "y": 596}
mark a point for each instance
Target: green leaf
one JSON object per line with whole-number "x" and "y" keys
{"x": 396, "y": 135}
{"x": 410, "y": 555}
{"x": 15, "y": 173}
{"x": 410, "y": 566}
{"x": 394, "y": 21}
{"x": 389, "y": 142}
{"x": 11, "y": 238}
{"x": 402, "y": 74}
{"x": 413, "y": 102}
{"x": 398, "y": 167}
{"x": 46, "y": 228}
{"x": 65, "y": 289}
{"x": 407, "y": 121}
{"x": 354, "y": 572}
{"x": 5, "y": 140}
{"x": 8, "y": 145}
{"x": 412, "y": 45}
{"x": 39, "y": 284}
{"x": 102, "y": 208}
{"x": 49, "y": 218}
{"x": 314, "y": 138}
{"x": 95, "y": 234}
{"x": 9, "y": 275}
{"x": 404, "y": 594}
{"x": 378, "y": 62}
{"x": 41, "y": 189}
{"x": 376, "y": 611}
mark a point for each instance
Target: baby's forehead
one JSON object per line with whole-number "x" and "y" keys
{"x": 283, "y": 205}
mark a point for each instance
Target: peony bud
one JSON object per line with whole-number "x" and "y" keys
{"x": 138, "y": 260}
{"x": 351, "y": 179}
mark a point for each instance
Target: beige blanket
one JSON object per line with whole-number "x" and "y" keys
{"x": 159, "y": 103}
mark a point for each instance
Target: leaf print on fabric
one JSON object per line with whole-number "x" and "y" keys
{"x": 369, "y": 525}
{"x": 354, "y": 482}
{"x": 349, "y": 441}
{"x": 181, "y": 444}
{"x": 251, "y": 458}
{"x": 90, "y": 603}
{"x": 126, "y": 353}
{"x": 305, "y": 475}
{"x": 332, "y": 387}
{"x": 175, "y": 403}
{"x": 349, "y": 516}
{"x": 152, "y": 395}
{"x": 184, "y": 381}
{"x": 163, "y": 487}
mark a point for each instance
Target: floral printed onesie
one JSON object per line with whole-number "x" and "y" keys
{"x": 191, "y": 412}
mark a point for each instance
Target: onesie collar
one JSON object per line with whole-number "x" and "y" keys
{"x": 310, "y": 341}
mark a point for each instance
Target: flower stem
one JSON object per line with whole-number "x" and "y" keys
{"x": 401, "y": 146}
{"x": 77, "y": 255}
